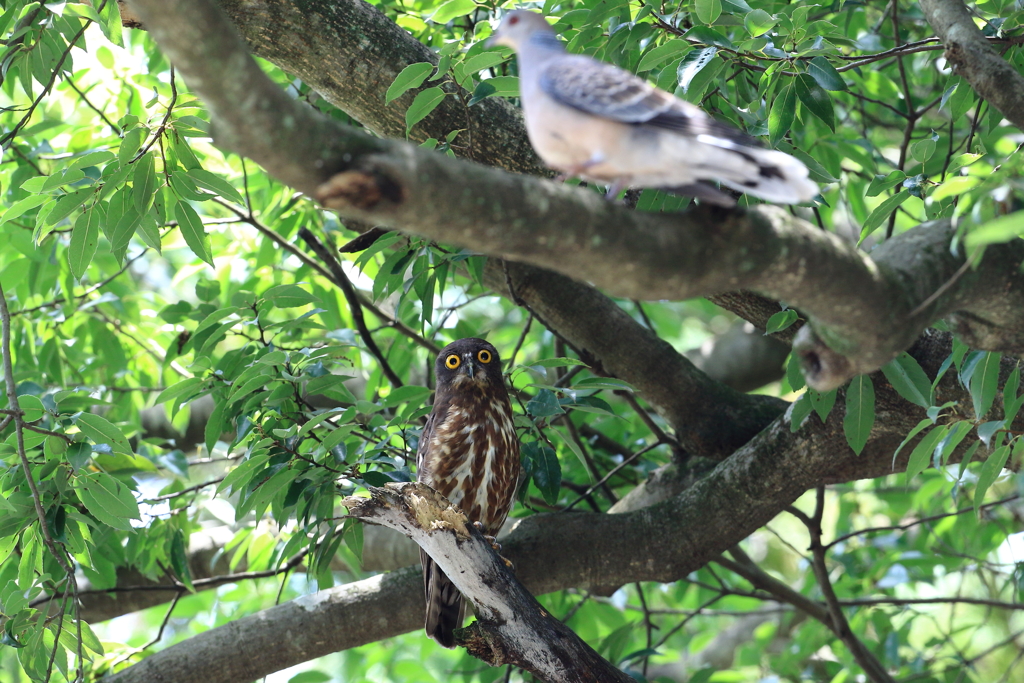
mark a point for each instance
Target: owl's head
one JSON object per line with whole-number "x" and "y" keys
{"x": 468, "y": 362}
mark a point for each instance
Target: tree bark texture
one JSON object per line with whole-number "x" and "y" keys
{"x": 859, "y": 308}
{"x": 511, "y": 626}
{"x": 970, "y": 55}
{"x": 679, "y": 525}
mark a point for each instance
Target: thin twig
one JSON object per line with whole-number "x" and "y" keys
{"x": 339, "y": 277}
{"x": 98, "y": 286}
{"x": 159, "y": 635}
{"x": 923, "y": 520}
{"x": 874, "y": 669}
{"x": 611, "y": 474}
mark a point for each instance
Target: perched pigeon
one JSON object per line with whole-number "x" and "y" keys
{"x": 603, "y": 124}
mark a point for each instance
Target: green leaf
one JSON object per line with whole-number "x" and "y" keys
{"x": 989, "y": 473}
{"x": 555, "y": 363}
{"x": 799, "y": 412}
{"x": 860, "y": 412}
{"x": 816, "y": 100}
{"x": 923, "y": 150}
{"x": 411, "y": 77}
{"x": 101, "y": 431}
{"x": 130, "y": 143}
{"x": 66, "y": 204}
{"x": 111, "y": 24}
{"x": 179, "y": 560}
{"x": 881, "y": 183}
{"x": 822, "y": 402}
{"x": 484, "y": 60}
{"x": 109, "y": 501}
{"x": 185, "y": 386}
{"x": 547, "y": 473}
{"x": 913, "y": 432}
{"x": 708, "y": 11}
{"x": 144, "y": 183}
{"x": 661, "y": 54}
{"x": 908, "y": 379}
{"x": 1011, "y": 401}
{"x": 825, "y": 75}
{"x": 709, "y": 36}
{"x": 289, "y": 296}
{"x": 793, "y": 373}
{"x": 191, "y": 227}
{"x": 984, "y": 383}
{"x": 1002, "y": 229}
{"x": 215, "y": 184}
{"x": 239, "y": 477}
{"x": 501, "y": 86}
{"x": 78, "y": 454}
{"x": 20, "y": 207}
{"x": 881, "y": 213}
{"x": 735, "y": 7}
{"x": 758, "y": 22}
{"x": 544, "y": 404}
{"x": 782, "y": 114}
{"x": 452, "y": 9}
{"x": 216, "y": 425}
{"x": 921, "y": 456}
{"x": 960, "y": 100}
{"x": 32, "y": 407}
{"x": 780, "y": 321}
{"x": 424, "y": 103}
{"x": 609, "y": 383}
{"x": 954, "y": 187}
{"x": 85, "y": 237}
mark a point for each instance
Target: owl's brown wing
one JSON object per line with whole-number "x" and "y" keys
{"x": 443, "y": 600}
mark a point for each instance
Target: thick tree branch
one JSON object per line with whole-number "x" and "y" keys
{"x": 709, "y": 418}
{"x": 511, "y": 627}
{"x": 664, "y": 542}
{"x": 859, "y": 307}
{"x": 971, "y": 56}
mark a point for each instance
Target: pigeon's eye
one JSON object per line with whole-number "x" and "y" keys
{"x": 513, "y": 20}
{"x": 484, "y": 356}
{"x": 452, "y": 362}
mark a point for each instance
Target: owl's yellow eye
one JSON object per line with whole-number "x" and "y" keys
{"x": 484, "y": 356}
{"x": 452, "y": 362}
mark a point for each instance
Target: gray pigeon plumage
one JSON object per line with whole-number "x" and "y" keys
{"x": 603, "y": 124}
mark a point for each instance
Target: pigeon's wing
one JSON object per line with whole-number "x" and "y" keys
{"x": 609, "y": 92}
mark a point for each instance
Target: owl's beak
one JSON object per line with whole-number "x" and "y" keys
{"x": 468, "y": 365}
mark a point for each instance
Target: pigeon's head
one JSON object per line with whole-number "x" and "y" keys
{"x": 517, "y": 27}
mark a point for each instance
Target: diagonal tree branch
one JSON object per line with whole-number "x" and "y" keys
{"x": 971, "y": 56}
{"x": 511, "y": 626}
{"x": 693, "y": 524}
{"x": 859, "y": 307}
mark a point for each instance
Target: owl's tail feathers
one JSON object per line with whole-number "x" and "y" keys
{"x": 444, "y": 603}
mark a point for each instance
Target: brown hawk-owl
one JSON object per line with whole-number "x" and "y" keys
{"x": 469, "y": 452}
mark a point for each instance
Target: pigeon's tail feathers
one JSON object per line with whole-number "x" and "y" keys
{"x": 766, "y": 173}
{"x": 444, "y": 603}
